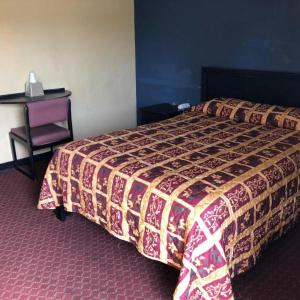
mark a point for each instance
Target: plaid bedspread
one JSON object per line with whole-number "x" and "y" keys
{"x": 200, "y": 193}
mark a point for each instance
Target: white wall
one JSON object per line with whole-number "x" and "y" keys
{"x": 86, "y": 46}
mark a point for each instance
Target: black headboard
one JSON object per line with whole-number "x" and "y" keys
{"x": 259, "y": 86}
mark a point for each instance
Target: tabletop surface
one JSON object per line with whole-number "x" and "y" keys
{"x": 162, "y": 108}
{"x": 20, "y": 98}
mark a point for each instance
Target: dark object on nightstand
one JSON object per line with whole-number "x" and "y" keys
{"x": 158, "y": 112}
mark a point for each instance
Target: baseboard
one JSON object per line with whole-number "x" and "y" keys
{"x": 23, "y": 161}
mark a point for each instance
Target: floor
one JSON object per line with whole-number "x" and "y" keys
{"x": 43, "y": 258}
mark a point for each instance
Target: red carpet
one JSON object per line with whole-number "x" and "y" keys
{"x": 43, "y": 258}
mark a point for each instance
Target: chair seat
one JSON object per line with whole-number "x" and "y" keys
{"x": 43, "y": 135}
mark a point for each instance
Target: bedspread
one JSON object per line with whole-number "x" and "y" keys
{"x": 201, "y": 193}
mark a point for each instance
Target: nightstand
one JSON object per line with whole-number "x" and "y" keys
{"x": 158, "y": 112}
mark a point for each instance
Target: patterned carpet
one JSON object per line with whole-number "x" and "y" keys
{"x": 43, "y": 258}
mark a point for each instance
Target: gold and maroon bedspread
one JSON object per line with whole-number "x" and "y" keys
{"x": 201, "y": 193}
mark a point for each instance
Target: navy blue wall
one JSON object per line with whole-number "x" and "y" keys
{"x": 174, "y": 38}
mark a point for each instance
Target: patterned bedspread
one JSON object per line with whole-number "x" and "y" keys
{"x": 203, "y": 194}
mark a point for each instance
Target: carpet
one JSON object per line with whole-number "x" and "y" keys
{"x": 43, "y": 258}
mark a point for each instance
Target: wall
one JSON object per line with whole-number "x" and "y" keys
{"x": 174, "y": 38}
{"x": 85, "y": 46}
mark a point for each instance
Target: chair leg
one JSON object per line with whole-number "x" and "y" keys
{"x": 32, "y": 166}
{"x": 13, "y": 151}
{"x": 31, "y": 172}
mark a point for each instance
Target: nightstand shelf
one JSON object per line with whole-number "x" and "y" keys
{"x": 158, "y": 112}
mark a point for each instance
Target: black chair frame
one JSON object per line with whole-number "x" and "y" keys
{"x": 31, "y": 173}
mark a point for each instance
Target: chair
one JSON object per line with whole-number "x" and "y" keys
{"x": 40, "y": 130}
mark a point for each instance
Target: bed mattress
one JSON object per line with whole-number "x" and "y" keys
{"x": 202, "y": 193}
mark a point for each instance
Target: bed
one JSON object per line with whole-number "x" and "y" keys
{"x": 205, "y": 191}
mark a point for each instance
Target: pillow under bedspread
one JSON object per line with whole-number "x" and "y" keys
{"x": 251, "y": 112}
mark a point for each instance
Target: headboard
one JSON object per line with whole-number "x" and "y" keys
{"x": 269, "y": 87}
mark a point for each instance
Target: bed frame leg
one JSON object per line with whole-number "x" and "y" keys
{"x": 61, "y": 214}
